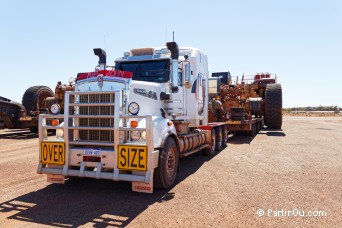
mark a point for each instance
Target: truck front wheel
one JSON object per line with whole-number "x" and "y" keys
{"x": 219, "y": 138}
{"x": 165, "y": 173}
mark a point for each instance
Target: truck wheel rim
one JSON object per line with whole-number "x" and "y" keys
{"x": 171, "y": 161}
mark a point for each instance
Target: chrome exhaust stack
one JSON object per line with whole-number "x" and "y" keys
{"x": 102, "y": 57}
{"x": 173, "y": 47}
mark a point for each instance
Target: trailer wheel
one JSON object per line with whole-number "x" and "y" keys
{"x": 165, "y": 173}
{"x": 211, "y": 151}
{"x": 251, "y": 132}
{"x": 258, "y": 127}
{"x": 34, "y": 96}
{"x": 224, "y": 135}
{"x": 273, "y": 106}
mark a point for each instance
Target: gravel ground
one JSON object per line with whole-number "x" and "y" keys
{"x": 295, "y": 171}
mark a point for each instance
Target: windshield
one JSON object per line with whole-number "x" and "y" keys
{"x": 149, "y": 71}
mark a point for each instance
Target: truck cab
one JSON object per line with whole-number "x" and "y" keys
{"x": 162, "y": 85}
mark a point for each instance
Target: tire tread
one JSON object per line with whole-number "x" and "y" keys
{"x": 273, "y": 106}
{"x": 30, "y": 97}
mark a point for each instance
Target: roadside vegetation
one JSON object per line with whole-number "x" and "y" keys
{"x": 313, "y": 111}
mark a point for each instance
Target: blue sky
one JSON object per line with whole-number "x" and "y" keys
{"x": 42, "y": 42}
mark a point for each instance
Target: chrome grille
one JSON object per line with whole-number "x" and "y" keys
{"x": 96, "y": 135}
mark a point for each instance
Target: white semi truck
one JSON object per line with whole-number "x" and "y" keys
{"x": 133, "y": 121}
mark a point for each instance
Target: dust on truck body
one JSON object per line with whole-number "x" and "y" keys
{"x": 132, "y": 122}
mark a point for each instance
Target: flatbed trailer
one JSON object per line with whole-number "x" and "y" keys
{"x": 250, "y": 127}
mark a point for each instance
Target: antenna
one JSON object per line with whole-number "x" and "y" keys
{"x": 173, "y": 36}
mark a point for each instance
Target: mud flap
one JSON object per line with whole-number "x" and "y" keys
{"x": 142, "y": 186}
{"x": 55, "y": 179}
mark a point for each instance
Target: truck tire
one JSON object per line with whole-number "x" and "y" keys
{"x": 219, "y": 138}
{"x": 259, "y": 126}
{"x": 211, "y": 151}
{"x": 273, "y": 106}
{"x": 165, "y": 173}
{"x": 33, "y": 97}
{"x": 224, "y": 135}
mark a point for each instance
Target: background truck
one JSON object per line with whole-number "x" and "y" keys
{"x": 19, "y": 116}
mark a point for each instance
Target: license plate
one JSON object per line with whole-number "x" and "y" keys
{"x": 92, "y": 152}
{"x": 53, "y": 153}
{"x": 132, "y": 158}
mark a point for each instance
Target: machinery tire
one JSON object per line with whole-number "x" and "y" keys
{"x": 166, "y": 172}
{"x": 273, "y": 106}
{"x": 33, "y": 97}
{"x": 224, "y": 135}
{"x": 219, "y": 138}
{"x": 211, "y": 151}
{"x": 255, "y": 107}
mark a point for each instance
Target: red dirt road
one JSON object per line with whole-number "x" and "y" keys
{"x": 285, "y": 174}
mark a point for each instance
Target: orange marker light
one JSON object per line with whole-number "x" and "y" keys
{"x": 134, "y": 123}
{"x": 55, "y": 122}
{"x": 169, "y": 123}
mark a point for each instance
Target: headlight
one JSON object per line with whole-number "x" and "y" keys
{"x": 55, "y": 108}
{"x": 135, "y": 135}
{"x": 133, "y": 108}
